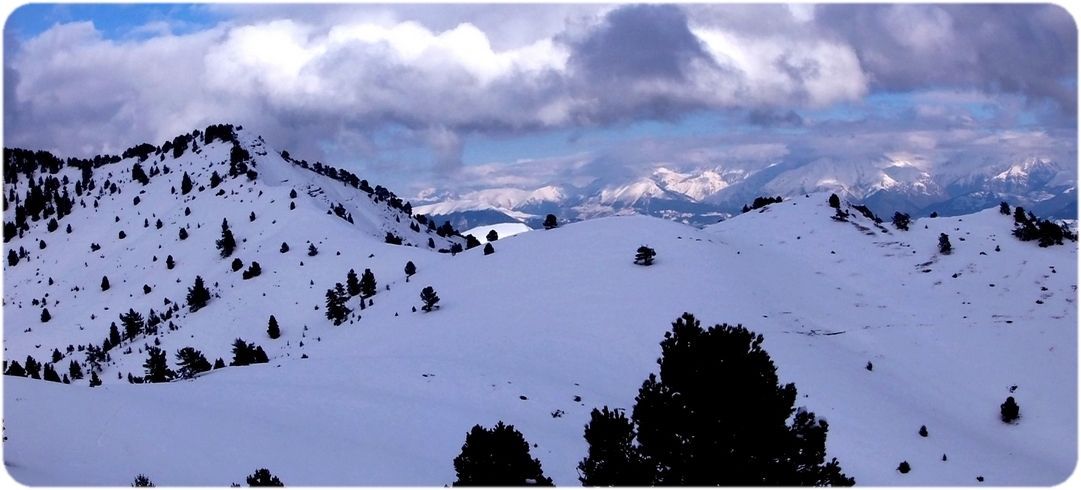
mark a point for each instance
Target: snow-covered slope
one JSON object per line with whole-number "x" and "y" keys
{"x": 386, "y": 399}
{"x": 503, "y": 230}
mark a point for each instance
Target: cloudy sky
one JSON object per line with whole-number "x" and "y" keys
{"x": 463, "y": 95}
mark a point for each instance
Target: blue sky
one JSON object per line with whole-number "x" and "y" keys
{"x": 416, "y": 95}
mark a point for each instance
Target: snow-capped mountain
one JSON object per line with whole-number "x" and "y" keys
{"x": 705, "y": 195}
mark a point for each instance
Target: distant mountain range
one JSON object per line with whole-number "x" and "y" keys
{"x": 708, "y": 195}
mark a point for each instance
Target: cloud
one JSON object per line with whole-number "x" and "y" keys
{"x": 332, "y": 82}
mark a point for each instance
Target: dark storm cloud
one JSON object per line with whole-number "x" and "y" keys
{"x": 1023, "y": 49}
{"x": 638, "y": 42}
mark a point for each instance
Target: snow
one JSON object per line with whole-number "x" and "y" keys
{"x": 504, "y": 230}
{"x": 387, "y": 398}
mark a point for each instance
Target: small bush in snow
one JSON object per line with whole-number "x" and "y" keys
{"x": 1009, "y": 410}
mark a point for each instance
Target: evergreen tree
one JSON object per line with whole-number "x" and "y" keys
{"x": 686, "y": 436}
{"x": 901, "y": 221}
{"x": 1009, "y": 410}
{"x": 644, "y": 255}
{"x": 263, "y": 478}
{"x": 190, "y": 362}
{"x": 114, "y": 336}
{"x": 57, "y": 356}
{"x": 218, "y": 364}
{"x": 45, "y": 316}
{"x": 429, "y": 297}
{"x": 169, "y": 263}
{"x": 94, "y": 379}
{"x": 368, "y": 287}
{"x": 612, "y": 459}
{"x": 198, "y": 295}
{"x": 272, "y": 328}
{"x": 254, "y": 270}
{"x": 410, "y": 269}
{"x": 157, "y": 366}
{"x": 32, "y": 367}
{"x": 14, "y": 369}
{"x": 497, "y": 457}
{"x": 492, "y": 236}
{"x": 139, "y": 175}
{"x": 215, "y": 179}
{"x": 104, "y": 283}
{"x": 50, "y": 374}
{"x": 1004, "y": 208}
{"x": 185, "y": 184}
{"x": 285, "y": 247}
{"x": 336, "y": 310}
{"x": 489, "y": 249}
{"x": 550, "y": 222}
{"x": 835, "y": 202}
{"x": 292, "y": 193}
{"x": 352, "y": 283}
{"x": 944, "y": 246}
{"x": 226, "y": 244}
{"x": 13, "y": 258}
{"x": 75, "y": 370}
{"x": 237, "y": 264}
{"x": 183, "y": 234}
{"x": 142, "y": 480}
{"x": 471, "y": 241}
{"x": 133, "y": 323}
{"x": 251, "y": 217}
{"x": 312, "y": 251}
{"x": 431, "y": 242}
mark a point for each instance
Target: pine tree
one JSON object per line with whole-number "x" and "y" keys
{"x": 50, "y": 374}
{"x": 13, "y": 258}
{"x": 169, "y": 263}
{"x": 489, "y": 249}
{"x": 198, "y": 295}
{"x": 1004, "y": 208}
{"x": 686, "y": 437}
{"x": 292, "y": 193}
{"x": 497, "y": 457}
{"x": 410, "y": 269}
{"x": 45, "y": 316}
{"x": 550, "y": 222}
{"x": 133, "y": 323}
{"x": 114, "y": 336}
{"x": 57, "y": 356}
{"x": 142, "y": 480}
{"x": 139, "y": 175}
{"x": 254, "y": 270}
{"x": 352, "y": 283}
{"x": 75, "y": 370}
{"x": 190, "y": 362}
{"x": 285, "y": 247}
{"x": 944, "y": 246}
{"x": 104, "y": 283}
{"x": 251, "y": 217}
{"x": 218, "y": 364}
{"x": 1009, "y": 410}
{"x": 312, "y": 251}
{"x": 492, "y": 236}
{"x": 429, "y": 297}
{"x": 237, "y": 264}
{"x": 835, "y": 202}
{"x": 368, "y": 287}
{"x": 644, "y": 255}
{"x": 185, "y": 184}
{"x": 157, "y": 366}
{"x": 14, "y": 369}
{"x": 612, "y": 458}
{"x": 215, "y": 179}
{"x": 94, "y": 379}
{"x": 471, "y": 241}
{"x": 226, "y": 244}
{"x": 263, "y": 478}
{"x": 272, "y": 328}
{"x": 901, "y": 221}
{"x": 336, "y": 310}
{"x": 183, "y": 234}
{"x": 33, "y": 367}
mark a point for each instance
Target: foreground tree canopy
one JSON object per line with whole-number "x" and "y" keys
{"x": 716, "y": 415}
